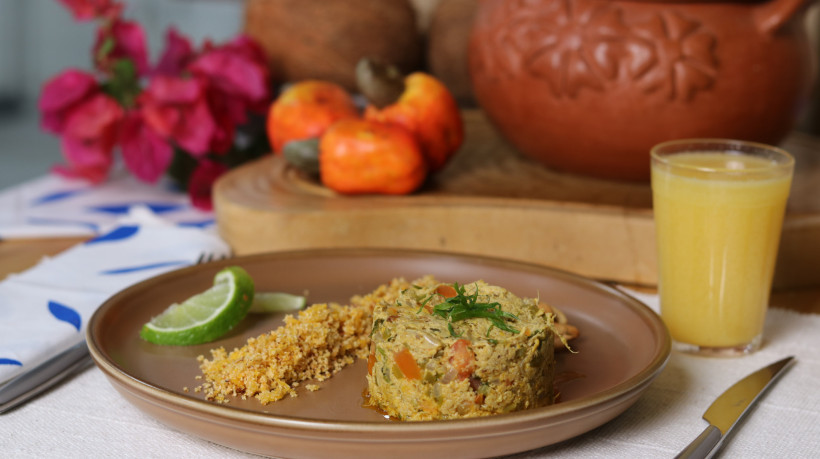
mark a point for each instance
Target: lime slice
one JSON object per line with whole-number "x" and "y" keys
{"x": 205, "y": 316}
{"x": 266, "y": 302}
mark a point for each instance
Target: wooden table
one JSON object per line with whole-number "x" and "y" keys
{"x": 19, "y": 255}
{"x": 492, "y": 201}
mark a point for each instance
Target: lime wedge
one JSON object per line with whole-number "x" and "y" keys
{"x": 266, "y": 302}
{"x": 205, "y": 316}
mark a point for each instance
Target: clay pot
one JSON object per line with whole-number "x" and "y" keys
{"x": 589, "y": 86}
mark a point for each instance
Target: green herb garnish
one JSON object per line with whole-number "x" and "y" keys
{"x": 376, "y": 324}
{"x": 463, "y": 306}
{"x": 424, "y": 303}
{"x": 487, "y": 335}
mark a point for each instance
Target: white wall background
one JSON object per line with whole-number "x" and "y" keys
{"x": 39, "y": 38}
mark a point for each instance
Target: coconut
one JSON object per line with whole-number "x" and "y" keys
{"x": 318, "y": 39}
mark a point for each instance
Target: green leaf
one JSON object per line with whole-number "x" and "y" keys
{"x": 124, "y": 70}
{"x": 463, "y": 306}
{"x": 124, "y": 83}
{"x": 105, "y": 48}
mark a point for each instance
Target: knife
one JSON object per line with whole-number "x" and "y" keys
{"x": 35, "y": 381}
{"x": 730, "y": 407}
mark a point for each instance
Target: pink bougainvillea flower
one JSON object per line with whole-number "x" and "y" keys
{"x": 222, "y": 138}
{"x": 237, "y": 82}
{"x": 176, "y": 56}
{"x": 237, "y": 67}
{"x": 121, "y": 40}
{"x": 89, "y": 137}
{"x": 228, "y": 113}
{"x": 85, "y": 10}
{"x": 201, "y": 183}
{"x": 62, "y": 94}
{"x": 238, "y": 71}
{"x": 191, "y": 101}
{"x": 229, "y": 110}
{"x": 95, "y": 165}
{"x": 145, "y": 153}
{"x": 177, "y": 109}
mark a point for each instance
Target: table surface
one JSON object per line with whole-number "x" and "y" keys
{"x": 85, "y": 416}
{"x": 19, "y": 255}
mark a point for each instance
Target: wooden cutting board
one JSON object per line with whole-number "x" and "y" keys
{"x": 490, "y": 200}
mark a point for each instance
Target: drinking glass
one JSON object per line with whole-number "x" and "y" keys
{"x": 718, "y": 207}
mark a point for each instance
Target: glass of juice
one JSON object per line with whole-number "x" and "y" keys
{"x": 718, "y": 207}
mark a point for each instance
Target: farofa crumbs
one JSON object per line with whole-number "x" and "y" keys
{"x": 317, "y": 344}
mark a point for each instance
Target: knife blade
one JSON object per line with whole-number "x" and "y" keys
{"x": 27, "y": 385}
{"x": 730, "y": 407}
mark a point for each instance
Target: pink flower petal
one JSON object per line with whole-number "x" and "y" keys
{"x": 176, "y": 108}
{"x": 233, "y": 74}
{"x": 96, "y": 118}
{"x": 163, "y": 119}
{"x": 87, "y": 159}
{"x": 146, "y": 154}
{"x": 196, "y": 130}
{"x": 65, "y": 89}
{"x": 129, "y": 43}
{"x": 84, "y": 10}
{"x": 89, "y": 137}
{"x": 228, "y": 111}
{"x": 200, "y": 185}
{"x": 238, "y": 78}
{"x": 86, "y": 154}
{"x": 174, "y": 90}
{"x": 178, "y": 53}
{"x": 222, "y": 139}
{"x": 60, "y": 96}
{"x": 250, "y": 48}
{"x": 91, "y": 174}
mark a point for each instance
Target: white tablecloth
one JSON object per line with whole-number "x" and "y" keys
{"x": 141, "y": 231}
{"x": 85, "y": 417}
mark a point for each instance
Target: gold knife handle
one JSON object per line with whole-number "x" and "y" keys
{"x": 704, "y": 446}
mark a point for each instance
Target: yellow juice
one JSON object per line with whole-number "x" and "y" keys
{"x": 718, "y": 234}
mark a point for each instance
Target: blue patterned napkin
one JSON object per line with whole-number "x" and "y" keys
{"x": 54, "y": 206}
{"x": 45, "y": 309}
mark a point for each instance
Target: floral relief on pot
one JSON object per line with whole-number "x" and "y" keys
{"x": 588, "y": 86}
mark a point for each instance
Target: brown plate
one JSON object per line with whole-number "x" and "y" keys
{"x": 622, "y": 348}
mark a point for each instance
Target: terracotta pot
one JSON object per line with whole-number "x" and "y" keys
{"x": 589, "y": 86}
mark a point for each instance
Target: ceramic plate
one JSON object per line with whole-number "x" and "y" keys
{"x": 623, "y": 346}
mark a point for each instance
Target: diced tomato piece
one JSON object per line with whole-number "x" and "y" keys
{"x": 371, "y": 360}
{"x": 407, "y": 364}
{"x": 463, "y": 358}
{"x": 447, "y": 291}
